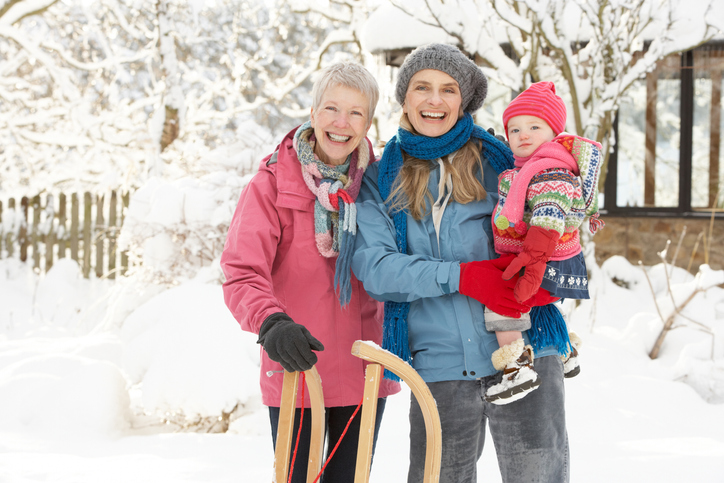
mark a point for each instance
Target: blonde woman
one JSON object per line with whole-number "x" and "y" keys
{"x": 424, "y": 246}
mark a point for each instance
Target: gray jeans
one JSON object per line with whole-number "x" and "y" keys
{"x": 529, "y": 435}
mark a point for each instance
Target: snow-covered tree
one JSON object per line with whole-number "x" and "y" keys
{"x": 94, "y": 93}
{"x": 594, "y": 50}
{"x": 344, "y": 41}
{"x": 66, "y": 98}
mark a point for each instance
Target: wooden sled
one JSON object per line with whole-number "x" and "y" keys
{"x": 379, "y": 360}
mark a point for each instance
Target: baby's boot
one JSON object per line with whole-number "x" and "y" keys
{"x": 519, "y": 377}
{"x": 571, "y": 367}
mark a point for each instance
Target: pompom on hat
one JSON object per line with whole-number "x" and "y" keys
{"x": 449, "y": 59}
{"x": 539, "y": 100}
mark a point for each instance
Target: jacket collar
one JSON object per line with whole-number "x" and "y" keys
{"x": 293, "y": 192}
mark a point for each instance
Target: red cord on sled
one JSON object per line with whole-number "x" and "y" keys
{"x": 339, "y": 440}
{"x": 299, "y": 433}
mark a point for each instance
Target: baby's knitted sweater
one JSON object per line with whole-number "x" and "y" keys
{"x": 554, "y": 201}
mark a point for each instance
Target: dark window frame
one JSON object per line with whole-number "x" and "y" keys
{"x": 684, "y": 208}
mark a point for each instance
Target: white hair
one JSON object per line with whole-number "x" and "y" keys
{"x": 351, "y": 75}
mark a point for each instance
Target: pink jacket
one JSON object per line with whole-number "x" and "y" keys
{"x": 272, "y": 264}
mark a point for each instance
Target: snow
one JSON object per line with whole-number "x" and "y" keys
{"x": 115, "y": 381}
{"x": 136, "y": 379}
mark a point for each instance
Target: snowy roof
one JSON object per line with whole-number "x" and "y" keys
{"x": 390, "y": 28}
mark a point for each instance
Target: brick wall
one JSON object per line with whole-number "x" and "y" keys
{"x": 638, "y": 238}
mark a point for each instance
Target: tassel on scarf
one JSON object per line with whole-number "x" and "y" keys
{"x": 343, "y": 267}
{"x": 548, "y": 329}
{"x": 394, "y": 335}
{"x": 595, "y": 223}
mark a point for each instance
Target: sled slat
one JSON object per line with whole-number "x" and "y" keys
{"x": 367, "y": 424}
{"x": 285, "y": 429}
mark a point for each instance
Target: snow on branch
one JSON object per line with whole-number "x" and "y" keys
{"x": 16, "y": 10}
{"x": 104, "y": 64}
{"x": 59, "y": 76}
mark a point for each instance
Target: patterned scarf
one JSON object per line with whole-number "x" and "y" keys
{"x": 394, "y": 338}
{"x": 335, "y": 214}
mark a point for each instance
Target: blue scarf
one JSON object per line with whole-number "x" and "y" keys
{"x": 394, "y": 338}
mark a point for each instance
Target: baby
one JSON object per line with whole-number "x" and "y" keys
{"x": 543, "y": 201}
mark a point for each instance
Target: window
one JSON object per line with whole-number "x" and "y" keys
{"x": 707, "y": 166}
{"x": 668, "y": 155}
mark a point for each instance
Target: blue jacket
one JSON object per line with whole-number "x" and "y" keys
{"x": 447, "y": 334}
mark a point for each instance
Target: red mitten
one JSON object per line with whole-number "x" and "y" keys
{"x": 484, "y": 282}
{"x": 537, "y": 250}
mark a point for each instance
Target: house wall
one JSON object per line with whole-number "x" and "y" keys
{"x": 641, "y": 238}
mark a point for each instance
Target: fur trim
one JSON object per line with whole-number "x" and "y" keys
{"x": 575, "y": 340}
{"x": 576, "y": 344}
{"x": 532, "y": 352}
{"x": 507, "y": 354}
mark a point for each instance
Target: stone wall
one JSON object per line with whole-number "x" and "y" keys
{"x": 641, "y": 238}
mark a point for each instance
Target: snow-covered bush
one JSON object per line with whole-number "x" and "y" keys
{"x": 64, "y": 392}
{"x": 185, "y": 354}
{"x": 665, "y": 314}
{"x": 177, "y": 224}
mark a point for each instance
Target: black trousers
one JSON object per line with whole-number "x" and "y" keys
{"x": 341, "y": 467}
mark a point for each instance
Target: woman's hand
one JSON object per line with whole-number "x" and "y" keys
{"x": 288, "y": 343}
{"x": 484, "y": 282}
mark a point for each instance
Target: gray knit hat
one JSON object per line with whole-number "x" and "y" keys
{"x": 448, "y": 59}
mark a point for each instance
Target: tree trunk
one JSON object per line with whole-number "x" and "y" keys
{"x": 170, "y": 127}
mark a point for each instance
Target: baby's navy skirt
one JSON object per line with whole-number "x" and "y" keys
{"x": 567, "y": 279}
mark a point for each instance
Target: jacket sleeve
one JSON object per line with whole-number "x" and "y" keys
{"x": 387, "y": 274}
{"x": 249, "y": 254}
{"x": 550, "y": 197}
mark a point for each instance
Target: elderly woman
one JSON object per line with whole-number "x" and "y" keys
{"x": 424, "y": 246}
{"x": 287, "y": 262}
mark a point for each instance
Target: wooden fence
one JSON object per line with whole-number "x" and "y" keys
{"x": 43, "y": 229}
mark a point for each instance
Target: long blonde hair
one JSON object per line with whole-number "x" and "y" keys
{"x": 410, "y": 192}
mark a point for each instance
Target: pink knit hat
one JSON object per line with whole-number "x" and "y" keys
{"x": 539, "y": 100}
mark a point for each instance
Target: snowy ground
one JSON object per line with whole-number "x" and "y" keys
{"x": 88, "y": 369}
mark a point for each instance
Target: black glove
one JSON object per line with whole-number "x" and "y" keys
{"x": 288, "y": 343}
